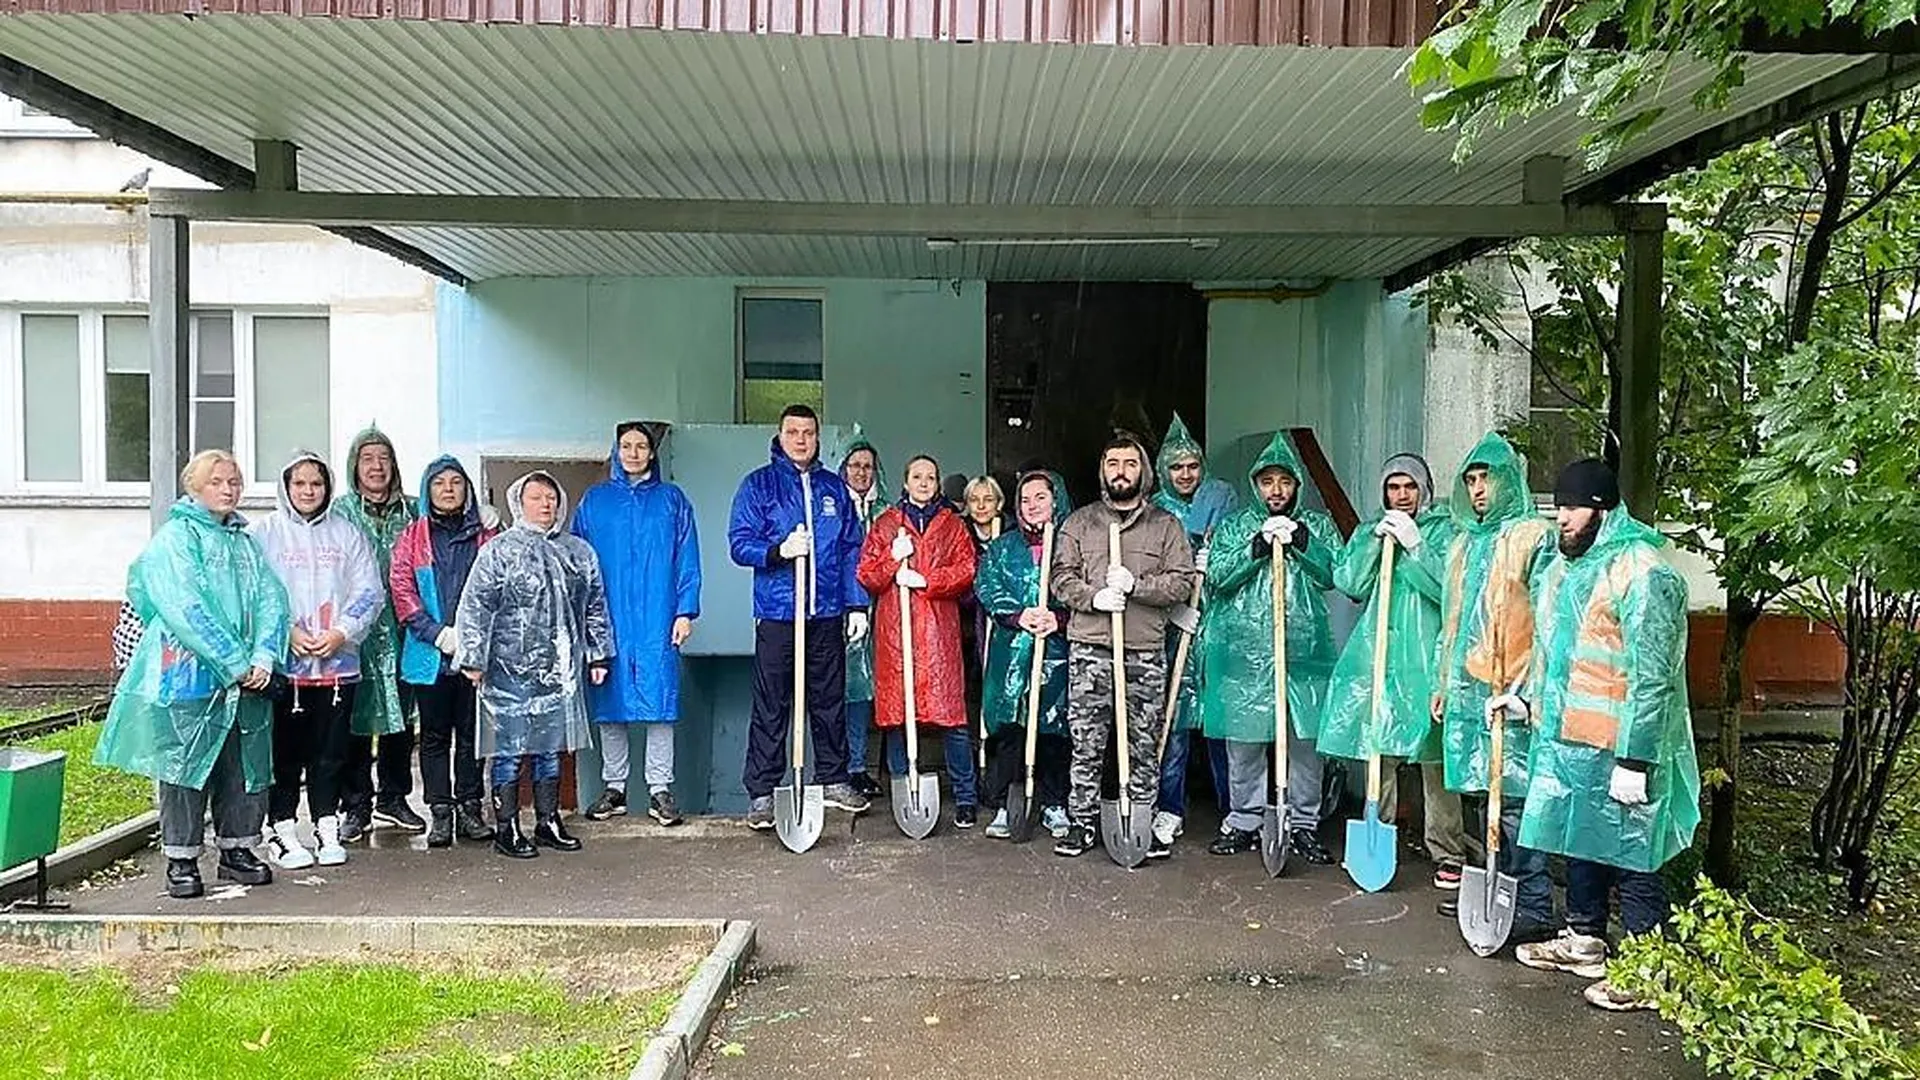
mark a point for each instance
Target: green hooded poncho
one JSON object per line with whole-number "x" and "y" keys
{"x": 1406, "y": 729}
{"x": 1610, "y": 682}
{"x": 1236, "y": 682}
{"x": 860, "y": 653}
{"x": 212, "y": 609}
{"x": 378, "y": 708}
{"x": 1486, "y": 615}
{"x": 1210, "y": 504}
{"x": 1007, "y": 583}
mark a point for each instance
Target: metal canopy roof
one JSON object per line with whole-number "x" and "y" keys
{"x": 381, "y": 104}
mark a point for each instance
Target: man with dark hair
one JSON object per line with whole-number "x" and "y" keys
{"x": 786, "y": 510}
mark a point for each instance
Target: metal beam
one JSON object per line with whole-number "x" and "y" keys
{"x": 37, "y": 88}
{"x": 276, "y": 165}
{"x": 168, "y": 389}
{"x": 960, "y": 223}
{"x": 1640, "y": 316}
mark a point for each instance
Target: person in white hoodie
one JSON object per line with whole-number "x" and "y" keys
{"x": 336, "y": 596}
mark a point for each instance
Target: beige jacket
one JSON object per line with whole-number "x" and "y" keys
{"x": 1153, "y": 544}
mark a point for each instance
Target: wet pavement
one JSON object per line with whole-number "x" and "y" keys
{"x": 962, "y": 956}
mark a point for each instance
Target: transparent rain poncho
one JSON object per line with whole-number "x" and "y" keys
{"x": 1610, "y": 683}
{"x": 1007, "y": 583}
{"x": 212, "y": 609}
{"x": 533, "y": 618}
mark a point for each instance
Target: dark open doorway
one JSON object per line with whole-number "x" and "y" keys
{"x": 1068, "y": 362}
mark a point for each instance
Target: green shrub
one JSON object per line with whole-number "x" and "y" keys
{"x": 1750, "y": 1002}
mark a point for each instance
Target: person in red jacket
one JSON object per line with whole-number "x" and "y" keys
{"x": 922, "y": 544}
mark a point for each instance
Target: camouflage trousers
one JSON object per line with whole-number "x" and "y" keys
{"x": 1090, "y": 723}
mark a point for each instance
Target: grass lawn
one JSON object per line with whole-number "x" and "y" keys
{"x": 324, "y": 1021}
{"x": 94, "y": 798}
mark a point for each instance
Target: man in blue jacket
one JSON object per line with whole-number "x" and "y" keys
{"x": 786, "y": 509}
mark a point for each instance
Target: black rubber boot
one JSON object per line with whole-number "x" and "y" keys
{"x": 243, "y": 867}
{"x": 508, "y": 840}
{"x": 440, "y": 832}
{"x": 547, "y": 828}
{"x": 471, "y": 824}
{"x": 183, "y": 879}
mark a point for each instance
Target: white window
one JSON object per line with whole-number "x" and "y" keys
{"x": 79, "y": 382}
{"x": 782, "y": 353}
{"x": 21, "y": 120}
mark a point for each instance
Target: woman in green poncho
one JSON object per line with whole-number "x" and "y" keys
{"x": 190, "y": 709}
{"x": 1008, "y": 585}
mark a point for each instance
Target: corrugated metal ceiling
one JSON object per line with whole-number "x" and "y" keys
{"x": 453, "y": 107}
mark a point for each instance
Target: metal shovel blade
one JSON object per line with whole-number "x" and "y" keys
{"x": 799, "y": 815}
{"x": 1021, "y": 816}
{"x": 1273, "y": 840}
{"x": 1373, "y": 850}
{"x": 916, "y": 804}
{"x": 1486, "y": 908}
{"x": 1126, "y": 836}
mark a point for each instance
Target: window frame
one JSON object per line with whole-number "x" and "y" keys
{"x": 740, "y": 297}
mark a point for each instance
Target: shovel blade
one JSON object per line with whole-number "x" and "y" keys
{"x": 916, "y": 804}
{"x": 1487, "y": 900}
{"x": 1021, "y": 816}
{"x": 1373, "y": 850}
{"x": 1273, "y": 840}
{"x": 1128, "y": 836}
{"x": 798, "y": 815}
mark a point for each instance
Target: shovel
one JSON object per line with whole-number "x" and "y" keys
{"x": 799, "y": 812}
{"x": 1126, "y": 827}
{"x": 916, "y": 798}
{"x": 1372, "y": 844}
{"x": 1022, "y": 812}
{"x": 1273, "y": 823}
{"x": 1487, "y": 897}
{"x": 1179, "y": 670}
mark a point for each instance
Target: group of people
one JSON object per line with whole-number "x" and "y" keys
{"x": 302, "y": 654}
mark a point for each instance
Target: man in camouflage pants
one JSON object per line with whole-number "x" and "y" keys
{"x": 1153, "y": 578}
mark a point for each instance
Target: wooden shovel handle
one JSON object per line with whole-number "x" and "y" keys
{"x": 1039, "y": 659}
{"x": 797, "y": 737}
{"x": 1180, "y": 654}
{"x": 1383, "y": 598}
{"x": 1279, "y": 673}
{"x": 905, "y": 596}
{"x": 1120, "y": 679}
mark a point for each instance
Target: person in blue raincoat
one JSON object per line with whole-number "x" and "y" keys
{"x": 189, "y": 711}
{"x": 641, "y": 527}
{"x": 789, "y": 509}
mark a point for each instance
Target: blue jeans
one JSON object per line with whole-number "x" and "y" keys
{"x": 1527, "y": 867}
{"x": 506, "y": 770}
{"x": 959, "y": 754}
{"x": 1173, "y": 771}
{"x": 859, "y": 720}
{"x": 1643, "y": 898}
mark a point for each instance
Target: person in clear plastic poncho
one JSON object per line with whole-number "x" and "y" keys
{"x": 532, "y": 632}
{"x": 1201, "y": 502}
{"x": 190, "y": 709}
{"x": 1236, "y": 696}
{"x": 1420, "y": 533}
{"x": 1008, "y": 586}
{"x": 1614, "y": 784}
{"x": 1486, "y": 646}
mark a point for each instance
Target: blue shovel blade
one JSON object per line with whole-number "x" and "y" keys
{"x": 1372, "y": 850}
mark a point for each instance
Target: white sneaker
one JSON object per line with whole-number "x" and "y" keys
{"x": 326, "y": 834}
{"x": 285, "y": 848}
{"x": 999, "y": 828}
{"x": 1576, "y": 954}
{"x": 1166, "y": 827}
{"x": 1054, "y": 820}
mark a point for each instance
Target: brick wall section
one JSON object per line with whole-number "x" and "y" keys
{"x": 56, "y": 641}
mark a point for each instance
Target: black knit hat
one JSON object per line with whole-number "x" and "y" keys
{"x": 1588, "y": 482}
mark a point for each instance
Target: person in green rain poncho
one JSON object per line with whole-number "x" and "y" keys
{"x": 1614, "y": 785}
{"x": 1201, "y": 502}
{"x": 190, "y": 711}
{"x": 1486, "y": 642}
{"x": 1008, "y": 586}
{"x": 860, "y": 468}
{"x": 1236, "y": 696}
{"x": 1420, "y": 534}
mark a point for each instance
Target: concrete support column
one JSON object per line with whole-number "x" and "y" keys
{"x": 1640, "y": 330}
{"x": 169, "y": 385}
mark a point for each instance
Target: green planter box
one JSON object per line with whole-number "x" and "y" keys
{"x": 31, "y": 785}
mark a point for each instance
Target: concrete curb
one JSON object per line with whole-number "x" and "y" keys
{"x": 671, "y": 1054}
{"x": 93, "y": 854}
{"x": 322, "y": 935}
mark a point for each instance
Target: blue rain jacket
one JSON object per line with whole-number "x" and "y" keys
{"x": 772, "y": 500}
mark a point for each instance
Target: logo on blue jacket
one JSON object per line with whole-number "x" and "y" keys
{"x": 827, "y": 506}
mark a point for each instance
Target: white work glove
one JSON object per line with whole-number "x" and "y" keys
{"x": 1200, "y": 559}
{"x": 1279, "y": 530}
{"x": 902, "y": 547}
{"x": 856, "y": 627}
{"x": 1628, "y": 787}
{"x": 1400, "y": 525}
{"x": 489, "y": 517}
{"x": 1109, "y": 599}
{"x": 1119, "y": 577}
{"x": 1186, "y": 617}
{"x": 911, "y": 578}
{"x": 446, "y": 640}
{"x": 798, "y": 542}
{"x": 1510, "y": 704}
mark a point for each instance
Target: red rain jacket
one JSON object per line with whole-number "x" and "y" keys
{"x": 944, "y": 555}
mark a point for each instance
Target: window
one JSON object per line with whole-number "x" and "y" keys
{"x": 19, "y": 119}
{"x": 781, "y": 354}
{"x": 258, "y": 384}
